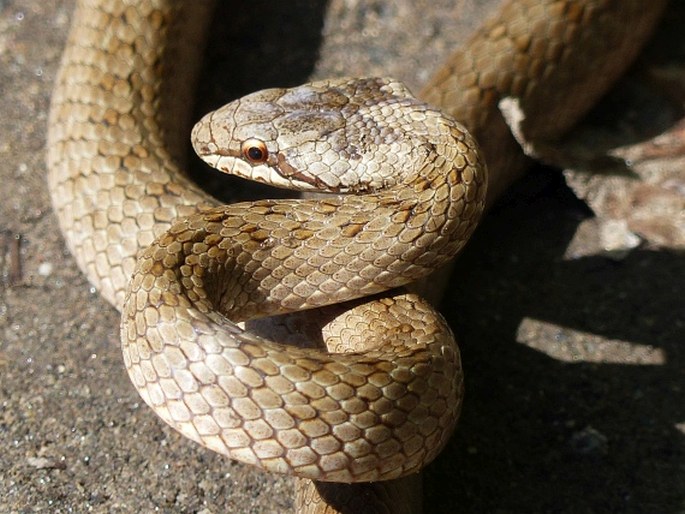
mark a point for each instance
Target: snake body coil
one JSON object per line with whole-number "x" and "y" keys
{"x": 117, "y": 188}
{"x": 114, "y": 159}
{"x": 346, "y": 417}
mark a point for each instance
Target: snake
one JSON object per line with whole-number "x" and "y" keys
{"x": 377, "y": 392}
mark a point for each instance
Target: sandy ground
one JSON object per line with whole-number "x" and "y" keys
{"x": 570, "y": 313}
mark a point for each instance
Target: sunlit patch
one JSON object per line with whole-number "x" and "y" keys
{"x": 570, "y": 345}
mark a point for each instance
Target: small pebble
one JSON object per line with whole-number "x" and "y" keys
{"x": 45, "y": 269}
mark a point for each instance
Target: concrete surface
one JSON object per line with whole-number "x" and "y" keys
{"x": 572, "y": 325}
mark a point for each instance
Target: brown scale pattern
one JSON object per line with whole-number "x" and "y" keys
{"x": 556, "y": 58}
{"x": 350, "y": 417}
{"x": 114, "y": 174}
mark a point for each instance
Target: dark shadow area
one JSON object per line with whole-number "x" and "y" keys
{"x": 260, "y": 45}
{"x": 541, "y": 435}
{"x": 254, "y": 46}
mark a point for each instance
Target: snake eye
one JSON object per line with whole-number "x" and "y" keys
{"x": 254, "y": 150}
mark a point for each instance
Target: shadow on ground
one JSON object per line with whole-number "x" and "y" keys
{"x": 541, "y": 435}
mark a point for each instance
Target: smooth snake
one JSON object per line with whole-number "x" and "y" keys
{"x": 117, "y": 187}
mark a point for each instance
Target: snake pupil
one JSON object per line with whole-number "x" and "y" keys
{"x": 255, "y": 153}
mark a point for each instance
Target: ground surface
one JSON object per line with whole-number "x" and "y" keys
{"x": 571, "y": 325}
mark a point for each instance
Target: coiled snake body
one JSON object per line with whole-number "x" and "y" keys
{"x": 117, "y": 188}
{"x": 360, "y": 416}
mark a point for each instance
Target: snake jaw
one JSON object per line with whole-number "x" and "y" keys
{"x": 274, "y": 172}
{"x": 219, "y": 141}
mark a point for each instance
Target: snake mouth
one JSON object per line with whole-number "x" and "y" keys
{"x": 275, "y": 171}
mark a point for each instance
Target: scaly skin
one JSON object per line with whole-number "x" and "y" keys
{"x": 115, "y": 169}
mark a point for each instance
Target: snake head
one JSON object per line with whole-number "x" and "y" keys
{"x": 333, "y": 136}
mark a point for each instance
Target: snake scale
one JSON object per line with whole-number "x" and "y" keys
{"x": 126, "y": 209}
